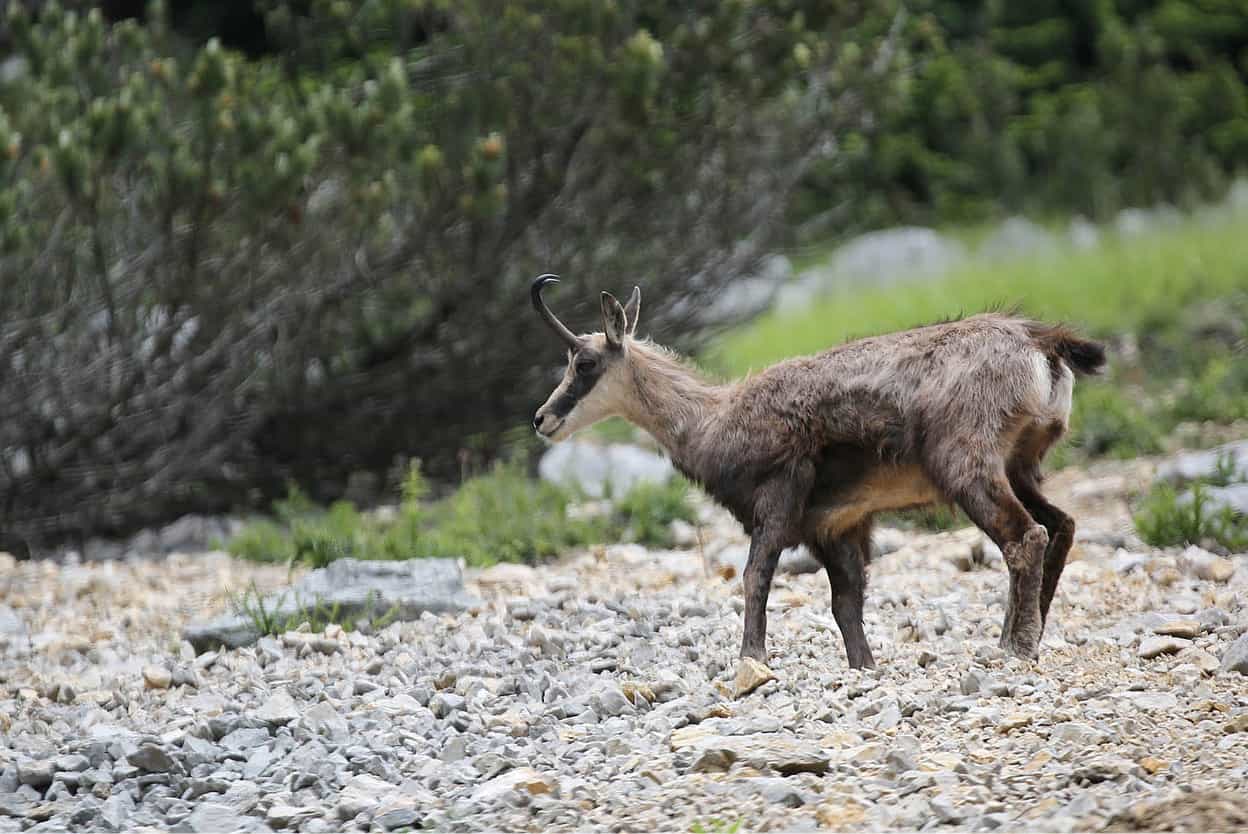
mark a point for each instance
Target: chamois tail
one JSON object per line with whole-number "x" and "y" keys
{"x": 1057, "y": 341}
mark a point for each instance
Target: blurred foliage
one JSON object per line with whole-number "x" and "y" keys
{"x": 1167, "y": 518}
{"x": 501, "y": 516}
{"x": 1047, "y": 106}
{"x": 220, "y": 274}
{"x": 646, "y": 512}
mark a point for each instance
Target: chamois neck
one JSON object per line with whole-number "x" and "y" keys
{"x": 672, "y": 399}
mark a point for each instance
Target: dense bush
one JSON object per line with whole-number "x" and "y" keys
{"x": 219, "y": 274}
{"x": 1048, "y": 106}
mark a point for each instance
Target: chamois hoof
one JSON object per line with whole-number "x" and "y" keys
{"x": 1022, "y": 648}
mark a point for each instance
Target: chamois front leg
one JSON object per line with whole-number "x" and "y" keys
{"x": 777, "y": 519}
{"x": 759, "y": 570}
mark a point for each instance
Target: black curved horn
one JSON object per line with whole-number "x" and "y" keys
{"x": 535, "y": 292}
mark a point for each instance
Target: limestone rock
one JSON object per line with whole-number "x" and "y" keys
{"x": 1235, "y": 658}
{"x": 750, "y": 676}
{"x": 157, "y": 677}
{"x": 524, "y": 779}
{"x": 279, "y": 709}
{"x": 600, "y": 470}
{"x": 1184, "y": 628}
{"x": 1152, "y": 647}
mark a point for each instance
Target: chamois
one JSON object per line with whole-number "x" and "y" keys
{"x": 810, "y": 449}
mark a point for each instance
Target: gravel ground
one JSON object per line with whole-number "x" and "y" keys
{"x": 602, "y": 693}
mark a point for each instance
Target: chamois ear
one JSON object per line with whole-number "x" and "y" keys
{"x": 614, "y": 323}
{"x": 632, "y": 310}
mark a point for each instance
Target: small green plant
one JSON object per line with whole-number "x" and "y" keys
{"x": 318, "y": 613}
{"x": 1226, "y": 471}
{"x": 261, "y": 541}
{"x": 715, "y": 825}
{"x": 1219, "y": 393}
{"x": 647, "y": 511}
{"x": 1168, "y": 518}
{"x": 318, "y": 539}
{"x": 251, "y": 606}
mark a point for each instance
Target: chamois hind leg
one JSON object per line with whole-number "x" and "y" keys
{"x": 990, "y": 502}
{"x": 1024, "y": 475}
{"x": 844, "y": 558}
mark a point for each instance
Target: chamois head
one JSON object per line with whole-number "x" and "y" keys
{"x": 596, "y": 383}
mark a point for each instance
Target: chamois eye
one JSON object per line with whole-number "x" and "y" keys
{"x": 585, "y": 366}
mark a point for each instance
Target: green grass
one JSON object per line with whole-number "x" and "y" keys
{"x": 501, "y": 516}
{"x": 716, "y": 826}
{"x": 1181, "y": 291}
{"x": 1119, "y": 286}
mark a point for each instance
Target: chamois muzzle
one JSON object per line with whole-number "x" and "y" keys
{"x": 535, "y": 292}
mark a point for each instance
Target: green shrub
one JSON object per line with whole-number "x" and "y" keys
{"x": 1167, "y": 518}
{"x": 502, "y": 516}
{"x": 1046, "y": 107}
{"x": 1218, "y": 393}
{"x": 1106, "y": 422}
{"x": 220, "y": 273}
{"x": 646, "y": 512}
{"x": 262, "y": 540}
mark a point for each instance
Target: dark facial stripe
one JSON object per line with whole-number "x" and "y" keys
{"x": 581, "y": 385}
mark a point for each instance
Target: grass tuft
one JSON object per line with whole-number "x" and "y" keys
{"x": 715, "y": 826}
{"x": 1169, "y": 518}
{"x": 314, "y": 614}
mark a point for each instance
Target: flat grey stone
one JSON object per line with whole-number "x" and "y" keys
{"x": 357, "y": 588}
{"x": 777, "y": 791}
{"x": 37, "y": 774}
{"x": 1191, "y": 466}
{"x": 323, "y": 719}
{"x": 798, "y": 560}
{"x": 1235, "y": 658}
{"x": 216, "y": 817}
{"x": 404, "y": 817}
{"x": 72, "y": 762}
{"x": 1233, "y": 498}
{"x": 12, "y": 627}
{"x": 245, "y": 738}
{"x": 279, "y": 709}
{"x": 1151, "y": 647}
{"x": 1015, "y": 237}
{"x": 151, "y": 758}
{"x": 116, "y": 811}
{"x": 599, "y": 470}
